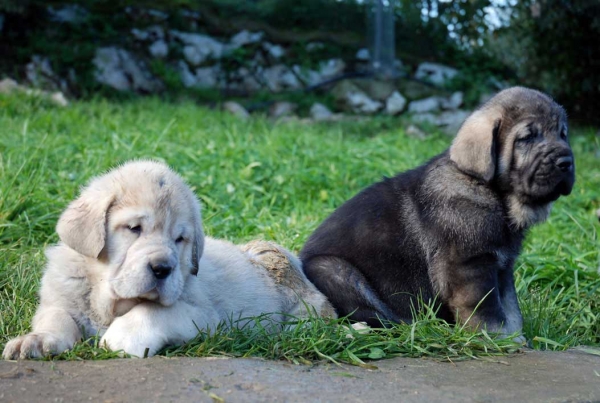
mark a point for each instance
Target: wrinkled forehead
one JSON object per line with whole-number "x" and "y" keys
{"x": 162, "y": 199}
{"x": 522, "y": 107}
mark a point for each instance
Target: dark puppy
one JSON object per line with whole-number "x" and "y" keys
{"x": 453, "y": 227}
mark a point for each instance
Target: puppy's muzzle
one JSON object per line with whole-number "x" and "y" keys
{"x": 565, "y": 164}
{"x": 161, "y": 270}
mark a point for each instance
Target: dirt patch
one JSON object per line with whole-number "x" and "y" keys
{"x": 571, "y": 376}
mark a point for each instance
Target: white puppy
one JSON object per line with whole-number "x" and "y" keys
{"x": 134, "y": 265}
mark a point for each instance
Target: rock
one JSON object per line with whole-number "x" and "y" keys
{"x": 351, "y": 97}
{"x": 309, "y": 77}
{"x": 414, "y": 90}
{"x": 258, "y": 61}
{"x": 313, "y": 46}
{"x": 40, "y": 74}
{"x": 118, "y": 69}
{"x": 109, "y": 69}
{"x": 450, "y": 121}
{"x": 379, "y": 90}
{"x": 395, "y": 103}
{"x": 414, "y": 131}
{"x": 361, "y": 103}
{"x": 331, "y": 68}
{"x": 434, "y": 73}
{"x": 193, "y": 55}
{"x": 153, "y": 33}
{"x": 202, "y": 77}
{"x": 363, "y": 54}
{"x": 453, "y": 102}
{"x": 156, "y": 32}
{"x": 207, "y": 77}
{"x": 244, "y": 38}
{"x": 247, "y": 80}
{"x": 139, "y": 34}
{"x": 275, "y": 51}
{"x": 280, "y": 109}
{"x": 280, "y": 77}
{"x": 159, "y": 49}
{"x": 199, "y": 48}
{"x": 59, "y": 99}
{"x": 70, "y": 13}
{"x": 8, "y": 85}
{"x": 37, "y": 69}
{"x": 188, "y": 79}
{"x": 425, "y": 117}
{"x": 320, "y": 112}
{"x": 236, "y": 109}
{"x": 426, "y": 105}
{"x": 327, "y": 70}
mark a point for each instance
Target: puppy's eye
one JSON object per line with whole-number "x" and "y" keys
{"x": 528, "y": 137}
{"x": 525, "y": 139}
{"x": 180, "y": 239}
{"x": 136, "y": 229}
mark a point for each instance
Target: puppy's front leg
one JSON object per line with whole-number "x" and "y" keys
{"x": 152, "y": 326}
{"x": 54, "y": 331}
{"x": 510, "y": 303}
{"x": 472, "y": 293}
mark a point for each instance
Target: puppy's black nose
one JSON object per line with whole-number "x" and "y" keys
{"x": 161, "y": 270}
{"x": 565, "y": 163}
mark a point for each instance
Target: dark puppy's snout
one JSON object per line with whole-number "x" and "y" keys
{"x": 161, "y": 270}
{"x": 565, "y": 164}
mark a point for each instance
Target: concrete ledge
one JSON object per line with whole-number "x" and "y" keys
{"x": 532, "y": 376}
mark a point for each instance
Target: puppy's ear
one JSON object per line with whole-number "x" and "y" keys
{"x": 82, "y": 226}
{"x": 474, "y": 148}
{"x": 198, "y": 245}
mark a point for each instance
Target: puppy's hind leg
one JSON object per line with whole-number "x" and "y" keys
{"x": 286, "y": 271}
{"x": 348, "y": 291}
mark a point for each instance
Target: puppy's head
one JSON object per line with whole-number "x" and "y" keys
{"x": 519, "y": 139}
{"x": 144, "y": 222}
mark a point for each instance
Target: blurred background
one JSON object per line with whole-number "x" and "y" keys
{"x": 312, "y": 59}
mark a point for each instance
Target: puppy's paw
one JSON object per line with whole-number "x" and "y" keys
{"x": 132, "y": 338}
{"x": 34, "y": 345}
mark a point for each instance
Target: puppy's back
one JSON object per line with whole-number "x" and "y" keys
{"x": 373, "y": 232}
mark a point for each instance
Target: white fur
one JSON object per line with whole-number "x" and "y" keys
{"x": 98, "y": 278}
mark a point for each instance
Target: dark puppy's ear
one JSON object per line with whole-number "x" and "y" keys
{"x": 82, "y": 226}
{"x": 474, "y": 148}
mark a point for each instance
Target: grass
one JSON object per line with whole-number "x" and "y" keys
{"x": 277, "y": 181}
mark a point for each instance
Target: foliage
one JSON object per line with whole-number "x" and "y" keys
{"x": 553, "y": 44}
{"x": 276, "y": 181}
